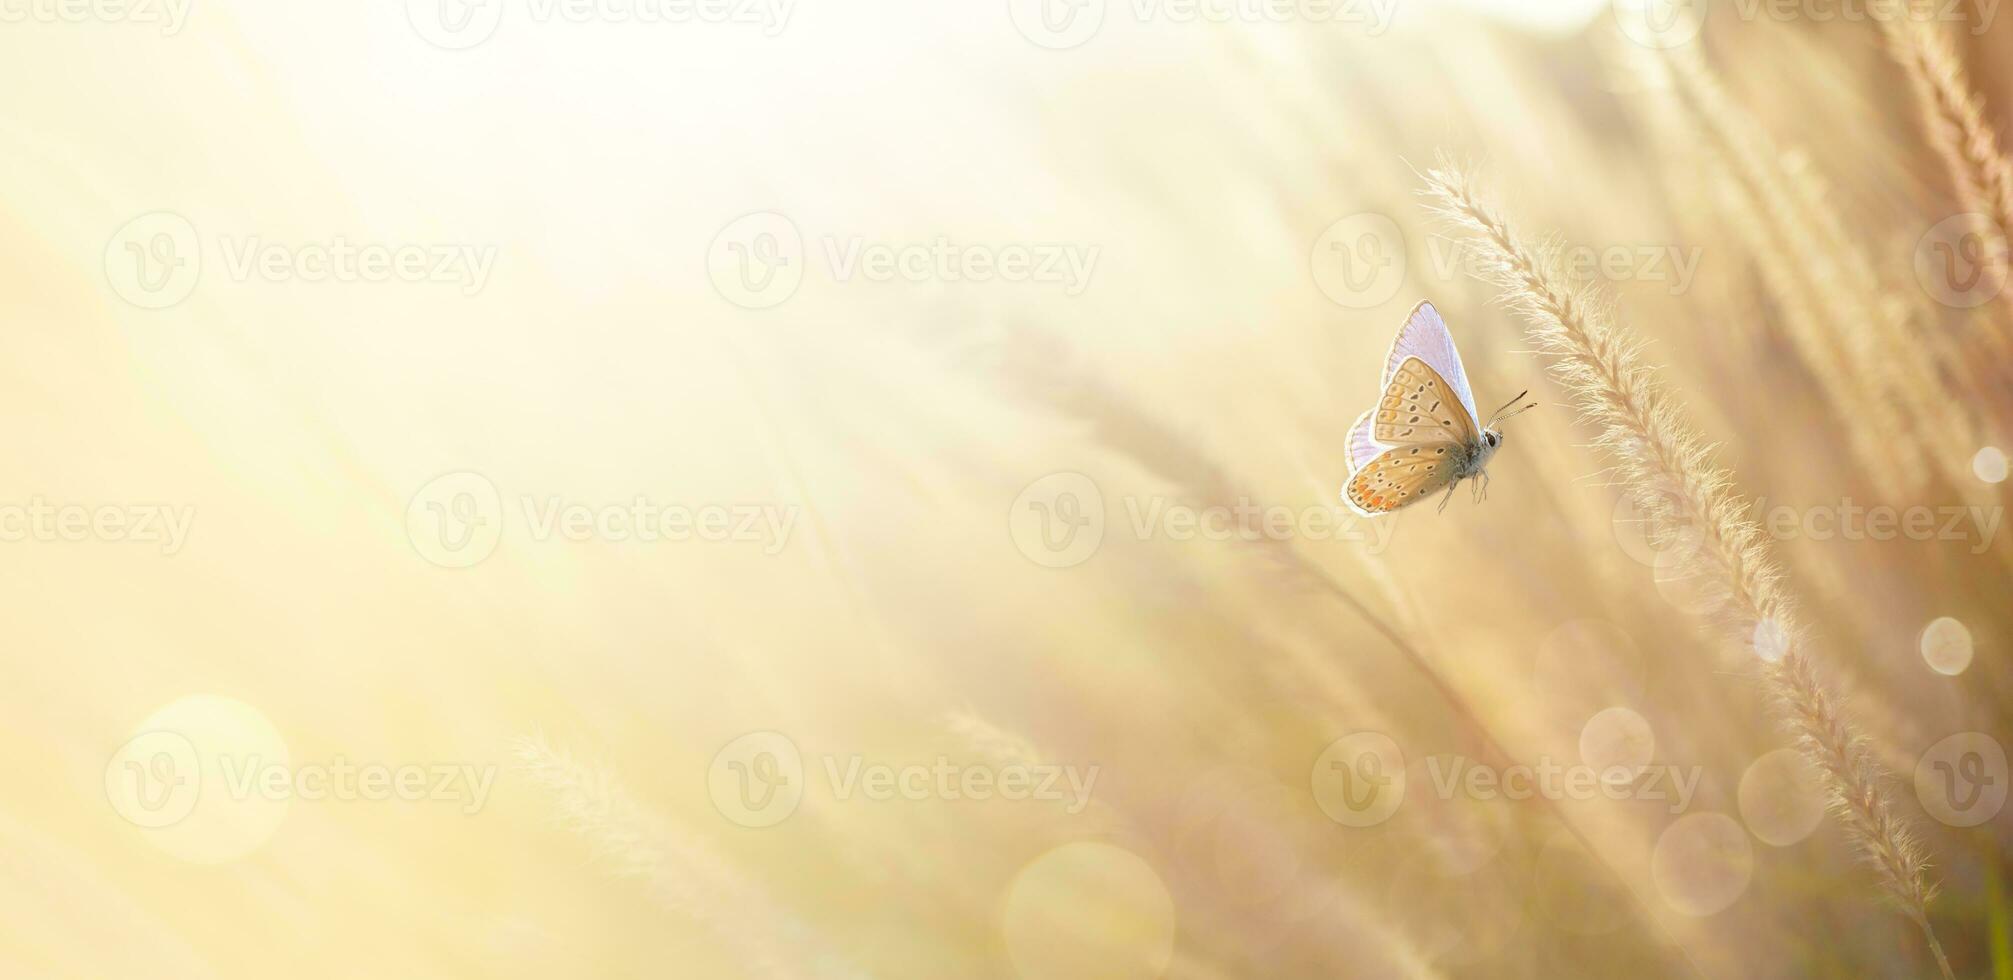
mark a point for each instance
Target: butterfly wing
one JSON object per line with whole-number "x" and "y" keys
{"x": 1362, "y": 446}
{"x": 1420, "y": 407}
{"x": 1402, "y": 475}
{"x": 1425, "y": 336}
{"x": 1425, "y": 425}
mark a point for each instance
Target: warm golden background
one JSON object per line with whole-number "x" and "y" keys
{"x": 906, "y": 618}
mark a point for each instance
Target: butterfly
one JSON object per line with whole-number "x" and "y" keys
{"x": 1424, "y": 433}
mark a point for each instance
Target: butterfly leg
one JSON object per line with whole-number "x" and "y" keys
{"x": 1449, "y": 495}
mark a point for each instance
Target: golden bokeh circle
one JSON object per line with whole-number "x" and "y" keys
{"x": 1088, "y": 911}
{"x": 206, "y": 778}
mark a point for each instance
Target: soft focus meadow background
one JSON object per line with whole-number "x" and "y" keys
{"x": 366, "y": 467}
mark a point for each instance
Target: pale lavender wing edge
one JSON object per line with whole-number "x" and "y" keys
{"x": 1361, "y": 447}
{"x": 1425, "y": 336}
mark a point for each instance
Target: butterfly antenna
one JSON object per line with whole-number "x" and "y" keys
{"x": 1498, "y": 417}
{"x": 1520, "y": 410}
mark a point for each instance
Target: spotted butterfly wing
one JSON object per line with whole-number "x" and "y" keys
{"x": 1402, "y": 475}
{"x": 1408, "y": 447}
{"x": 1362, "y": 446}
{"x": 1420, "y": 406}
{"x": 1426, "y": 337}
{"x": 1413, "y": 443}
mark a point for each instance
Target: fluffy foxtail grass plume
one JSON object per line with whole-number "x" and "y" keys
{"x": 1954, "y": 114}
{"x": 1131, "y": 432}
{"x": 1694, "y": 506}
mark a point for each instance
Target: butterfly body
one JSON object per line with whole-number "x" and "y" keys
{"x": 1424, "y": 435}
{"x": 1492, "y": 440}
